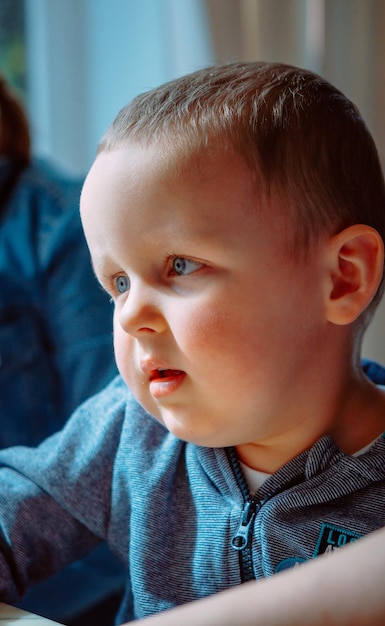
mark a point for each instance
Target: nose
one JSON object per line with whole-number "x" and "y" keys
{"x": 141, "y": 311}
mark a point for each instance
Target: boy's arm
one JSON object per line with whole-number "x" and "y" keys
{"x": 55, "y": 500}
{"x": 342, "y": 589}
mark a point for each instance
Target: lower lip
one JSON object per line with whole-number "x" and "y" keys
{"x": 162, "y": 387}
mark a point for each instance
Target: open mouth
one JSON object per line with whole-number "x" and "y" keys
{"x": 164, "y": 382}
{"x": 162, "y": 374}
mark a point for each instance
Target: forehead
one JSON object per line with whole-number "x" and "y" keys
{"x": 138, "y": 174}
{"x": 151, "y": 194}
{"x": 134, "y": 163}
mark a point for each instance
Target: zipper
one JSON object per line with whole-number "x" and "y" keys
{"x": 241, "y": 540}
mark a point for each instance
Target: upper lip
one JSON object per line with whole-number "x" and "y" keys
{"x": 151, "y": 367}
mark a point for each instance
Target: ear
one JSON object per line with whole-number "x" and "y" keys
{"x": 355, "y": 260}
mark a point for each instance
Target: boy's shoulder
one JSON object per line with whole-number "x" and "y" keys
{"x": 116, "y": 408}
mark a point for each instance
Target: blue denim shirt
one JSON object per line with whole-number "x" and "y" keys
{"x": 55, "y": 349}
{"x": 55, "y": 321}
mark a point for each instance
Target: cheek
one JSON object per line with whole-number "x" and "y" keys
{"x": 123, "y": 349}
{"x": 213, "y": 332}
{"x": 239, "y": 334}
{"x": 202, "y": 326}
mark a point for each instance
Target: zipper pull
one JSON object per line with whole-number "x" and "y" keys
{"x": 241, "y": 537}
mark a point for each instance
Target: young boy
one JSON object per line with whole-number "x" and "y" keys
{"x": 236, "y": 217}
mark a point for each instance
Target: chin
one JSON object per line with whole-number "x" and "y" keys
{"x": 202, "y": 437}
{"x": 178, "y": 427}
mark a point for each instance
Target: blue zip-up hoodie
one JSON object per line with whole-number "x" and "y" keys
{"x": 170, "y": 509}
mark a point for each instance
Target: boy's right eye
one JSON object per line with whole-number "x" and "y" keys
{"x": 122, "y": 284}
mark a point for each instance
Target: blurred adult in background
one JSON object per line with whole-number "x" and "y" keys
{"x": 55, "y": 332}
{"x": 55, "y": 322}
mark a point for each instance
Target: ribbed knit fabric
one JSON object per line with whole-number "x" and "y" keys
{"x": 169, "y": 509}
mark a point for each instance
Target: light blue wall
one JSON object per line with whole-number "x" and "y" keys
{"x": 88, "y": 58}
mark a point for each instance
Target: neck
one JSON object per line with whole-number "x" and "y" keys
{"x": 353, "y": 418}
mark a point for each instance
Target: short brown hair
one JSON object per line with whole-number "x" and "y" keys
{"x": 306, "y": 141}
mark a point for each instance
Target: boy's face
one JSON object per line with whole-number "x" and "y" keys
{"x": 215, "y": 326}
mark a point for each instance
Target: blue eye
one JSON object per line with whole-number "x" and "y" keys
{"x": 182, "y": 266}
{"x": 122, "y": 284}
